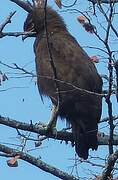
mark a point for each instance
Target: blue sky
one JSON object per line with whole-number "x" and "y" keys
{"x": 22, "y": 102}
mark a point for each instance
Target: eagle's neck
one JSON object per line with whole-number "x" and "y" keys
{"x": 48, "y": 20}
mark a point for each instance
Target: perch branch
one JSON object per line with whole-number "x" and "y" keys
{"x": 59, "y": 135}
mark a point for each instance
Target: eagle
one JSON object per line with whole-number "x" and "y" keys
{"x": 72, "y": 82}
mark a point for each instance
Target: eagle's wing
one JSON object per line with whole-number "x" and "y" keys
{"x": 74, "y": 67}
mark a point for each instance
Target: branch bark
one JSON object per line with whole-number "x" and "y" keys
{"x": 25, "y": 5}
{"x": 37, "y": 162}
{"x": 103, "y": 1}
{"x": 8, "y": 20}
{"x": 59, "y": 135}
{"x": 109, "y": 166}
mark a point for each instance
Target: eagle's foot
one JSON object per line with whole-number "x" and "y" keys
{"x": 51, "y": 129}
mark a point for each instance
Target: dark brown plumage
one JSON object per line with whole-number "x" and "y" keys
{"x": 74, "y": 68}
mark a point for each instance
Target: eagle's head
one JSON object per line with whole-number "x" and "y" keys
{"x": 40, "y": 18}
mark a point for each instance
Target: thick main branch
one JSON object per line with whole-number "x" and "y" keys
{"x": 59, "y": 135}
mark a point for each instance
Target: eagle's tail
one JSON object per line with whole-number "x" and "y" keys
{"x": 84, "y": 140}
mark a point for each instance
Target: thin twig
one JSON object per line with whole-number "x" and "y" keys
{"x": 16, "y": 34}
{"x": 110, "y": 68}
{"x": 71, "y": 5}
{"x": 104, "y": 1}
{"x": 7, "y": 21}
{"x": 83, "y": 91}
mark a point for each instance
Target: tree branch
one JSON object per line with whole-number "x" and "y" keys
{"x": 109, "y": 166}
{"x": 7, "y": 21}
{"x": 103, "y": 1}
{"x": 16, "y": 34}
{"x": 59, "y": 135}
{"x": 37, "y": 162}
{"x": 25, "y": 5}
{"x": 39, "y": 129}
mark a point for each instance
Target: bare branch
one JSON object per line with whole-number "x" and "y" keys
{"x": 116, "y": 69}
{"x": 16, "y": 34}
{"x": 37, "y": 162}
{"x": 106, "y": 119}
{"x": 59, "y": 135}
{"x": 110, "y": 69}
{"x": 8, "y": 20}
{"x": 83, "y": 91}
{"x": 71, "y": 5}
{"x": 103, "y": 1}
{"x": 25, "y": 5}
{"x": 109, "y": 166}
{"x": 107, "y": 18}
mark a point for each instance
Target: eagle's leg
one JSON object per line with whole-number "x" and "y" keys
{"x": 51, "y": 127}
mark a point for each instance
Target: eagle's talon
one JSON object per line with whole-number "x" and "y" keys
{"x": 51, "y": 129}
